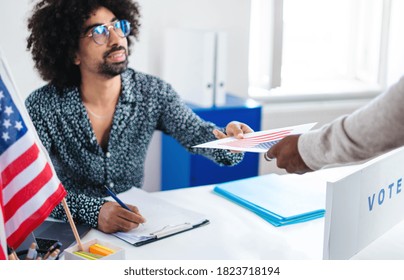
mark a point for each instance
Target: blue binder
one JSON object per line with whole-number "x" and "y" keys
{"x": 279, "y": 199}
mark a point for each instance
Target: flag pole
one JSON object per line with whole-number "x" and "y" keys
{"x": 72, "y": 225}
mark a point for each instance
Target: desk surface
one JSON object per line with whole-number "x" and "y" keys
{"x": 236, "y": 233}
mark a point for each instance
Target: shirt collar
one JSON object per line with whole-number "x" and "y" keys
{"x": 129, "y": 86}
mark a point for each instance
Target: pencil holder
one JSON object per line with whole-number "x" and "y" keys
{"x": 118, "y": 254}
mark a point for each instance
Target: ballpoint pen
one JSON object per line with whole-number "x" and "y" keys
{"x": 120, "y": 202}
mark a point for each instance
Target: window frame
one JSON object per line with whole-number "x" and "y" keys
{"x": 270, "y": 88}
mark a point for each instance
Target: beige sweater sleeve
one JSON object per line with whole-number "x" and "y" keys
{"x": 369, "y": 131}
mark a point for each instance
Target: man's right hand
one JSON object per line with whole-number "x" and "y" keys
{"x": 113, "y": 218}
{"x": 287, "y": 155}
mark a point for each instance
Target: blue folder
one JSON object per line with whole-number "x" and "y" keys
{"x": 279, "y": 199}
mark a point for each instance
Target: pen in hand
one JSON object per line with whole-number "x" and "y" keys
{"x": 115, "y": 197}
{"x": 120, "y": 202}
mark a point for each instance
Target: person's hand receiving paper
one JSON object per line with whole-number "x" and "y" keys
{"x": 233, "y": 129}
{"x": 287, "y": 155}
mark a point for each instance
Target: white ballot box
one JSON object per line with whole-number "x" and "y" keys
{"x": 364, "y": 205}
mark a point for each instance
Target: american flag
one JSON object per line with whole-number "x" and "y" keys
{"x": 30, "y": 188}
{"x": 3, "y": 244}
{"x": 264, "y": 141}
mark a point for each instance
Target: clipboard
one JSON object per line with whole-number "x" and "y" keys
{"x": 166, "y": 231}
{"x": 163, "y": 219}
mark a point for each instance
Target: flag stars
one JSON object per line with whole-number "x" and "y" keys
{"x": 1, "y": 94}
{"x": 6, "y": 123}
{"x": 18, "y": 125}
{"x": 5, "y": 136}
{"x": 8, "y": 110}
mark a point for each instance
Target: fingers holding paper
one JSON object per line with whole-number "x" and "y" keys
{"x": 233, "y": 129}
{"x": 287, "y": 155}
{"x": 113, "y": 218}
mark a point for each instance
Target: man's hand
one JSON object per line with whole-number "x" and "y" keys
{"x": 287, "y": 155}
{"x": 113, "y": 218}
{"x": 233, "y": 129}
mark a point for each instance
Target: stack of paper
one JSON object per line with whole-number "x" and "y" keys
{"x": 279, "y": 199}
{"x": 163, "y": 218}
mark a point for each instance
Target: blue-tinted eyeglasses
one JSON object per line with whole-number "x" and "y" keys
{"x": 100, "y": 33}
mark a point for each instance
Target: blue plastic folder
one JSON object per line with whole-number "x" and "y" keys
{"x": 279, "y": 199}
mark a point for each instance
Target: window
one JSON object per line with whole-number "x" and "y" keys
{"x": 318, "y": 47}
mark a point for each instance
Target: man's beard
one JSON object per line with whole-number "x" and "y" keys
{"x": 113, "y": 69}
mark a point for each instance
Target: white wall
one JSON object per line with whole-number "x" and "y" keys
{"x": 13, "y": 34}
{"x": 231, "y": 16}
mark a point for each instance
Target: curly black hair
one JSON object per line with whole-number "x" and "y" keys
{"x": 56, "y": 28}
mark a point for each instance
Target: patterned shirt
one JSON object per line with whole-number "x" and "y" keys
{"x": 146, "y": 104}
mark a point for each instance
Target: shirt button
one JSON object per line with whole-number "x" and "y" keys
{"x": 111, "y": 185}
{"x": 108, "y": 154}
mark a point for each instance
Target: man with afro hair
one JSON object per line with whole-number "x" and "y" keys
{"x": 96, "y": 116}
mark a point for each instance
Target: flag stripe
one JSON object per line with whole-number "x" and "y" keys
{"x": 35, "y": 218}
{"x": 254, "y": 141}
{"x": 272, "y": 134}
{"x": 24, "y": 178}
{"x": 263, "y": 138}
{"x": 19, "y": 165}
{"x": 15, "y": 151}
{"x": 32, "y": 205}
{"x": 3, "y": 245}
{"x": 26, "y": 193}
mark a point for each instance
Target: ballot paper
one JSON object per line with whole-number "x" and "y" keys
{"x": 257, "y": 142}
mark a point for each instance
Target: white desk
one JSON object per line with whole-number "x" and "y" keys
{"x": 236, "y": 233}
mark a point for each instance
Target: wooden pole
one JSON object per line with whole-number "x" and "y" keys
{"x": 72, "y": 225}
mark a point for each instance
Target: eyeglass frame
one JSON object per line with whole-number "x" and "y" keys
{"x": 108, "y": 26}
